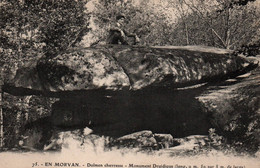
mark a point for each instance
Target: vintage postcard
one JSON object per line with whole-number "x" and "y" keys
{"x": 130, "y": 83}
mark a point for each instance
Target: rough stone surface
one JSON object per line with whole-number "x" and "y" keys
{"x": 117, "y": 67}
{"x": 140, "y": 139}
{"x": 143, "y": 140}
{"x": 118, "y": 90}
{"x": 234, "y": 108}
{"x": 164, "y": 140}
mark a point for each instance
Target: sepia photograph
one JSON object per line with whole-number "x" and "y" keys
{"x": 130, "y": 83}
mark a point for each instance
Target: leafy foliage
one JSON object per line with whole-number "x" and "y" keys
{"x": 216, "y": 23}
{"x": 18, "y": 111}
{"x": 30, "y": 27}
{"x": 150, "y": 25}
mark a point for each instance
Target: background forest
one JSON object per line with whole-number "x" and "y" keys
{"x": 32, "y": 28}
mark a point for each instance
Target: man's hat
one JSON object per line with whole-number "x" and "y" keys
{"x": 120, "y": 16}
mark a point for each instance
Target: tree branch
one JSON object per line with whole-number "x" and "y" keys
{"x": 218, "y": 36}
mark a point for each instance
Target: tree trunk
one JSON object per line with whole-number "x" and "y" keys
{"x": 182, "y": 13}
{"x": 1, "y": 119}
{"x": 187, "y": 34}
{"x": 227, "y": 31}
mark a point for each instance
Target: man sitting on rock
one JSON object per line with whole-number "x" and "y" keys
{"x": 117, "y": 35}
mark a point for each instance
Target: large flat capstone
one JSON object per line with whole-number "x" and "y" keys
{"x": 117, "y": 67}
